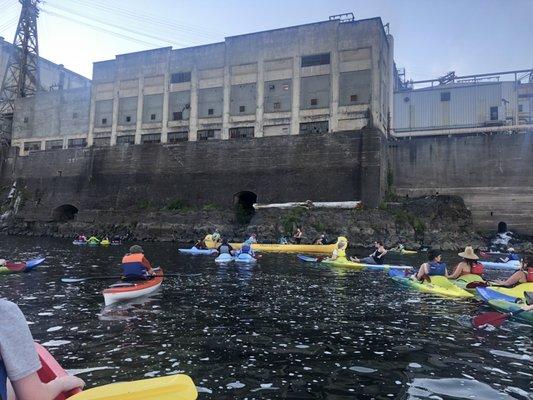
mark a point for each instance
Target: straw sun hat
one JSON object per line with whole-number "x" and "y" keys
{"x": 468, "y": 253}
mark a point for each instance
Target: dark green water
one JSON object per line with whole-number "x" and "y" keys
{"x": 280, "y": 329}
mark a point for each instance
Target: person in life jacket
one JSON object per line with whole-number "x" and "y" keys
{"x": 93, "y": 240}
{"x": 469, "y": 265}
{"x": 251, "y": 240}
{"x": 524, "y": 274}
{"x": 19, "y": 361}
{"x": 511, "y": 256}
{"x": 215, "y": 236}
{"x": 225, "y": 247}
{"x": 340, "y": 251}
{"x": 433, "y": 267}
{"x": 135, "y": 265}
{"x": 246, "y": 249}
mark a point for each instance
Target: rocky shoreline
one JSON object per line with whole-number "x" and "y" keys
{"x": 441, "y": 222}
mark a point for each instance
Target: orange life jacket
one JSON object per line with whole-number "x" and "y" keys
{"x": 135, "y": 265}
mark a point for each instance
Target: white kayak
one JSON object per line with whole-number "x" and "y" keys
{"x": 512, "y": 264}
{"x": 124, "y": 291}
{"x": 195, "y": 252}
{"x": 245, "y": 258}
{"x": 224, "y": 258}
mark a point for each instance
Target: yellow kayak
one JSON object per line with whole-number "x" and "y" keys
{"x": 439, "y": 285}
{"x": 176, "y": 387}
{"x": 403, "y": 251}
{"x": 343, "y": 262}
{"x": 517, "y": 291}
{"x": 279, "y": 248}
{"x": 105, "y": 242}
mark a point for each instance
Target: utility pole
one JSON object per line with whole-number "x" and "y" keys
{"x": 21, "y": 78}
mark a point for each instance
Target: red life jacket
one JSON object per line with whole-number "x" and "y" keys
{"x": 477, "y": 269}
{"x": 529, "y": 274}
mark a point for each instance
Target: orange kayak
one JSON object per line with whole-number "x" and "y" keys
{"x": 124, "y": 291}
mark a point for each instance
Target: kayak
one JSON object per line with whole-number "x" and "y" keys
{"x": 173, "y": 387}
{"x": 515, "y": 293}
{"x": 279, "y": 248}
{"x": 512, "y": 264}
{"x": 123, "y": 291}
{"x": 344, "y": 262}
{"x": 439, "y": 285}
{"x": 507, "y": 307}
{"x": 115, "y": 243}
{"x": 464, "y": 280}
{"x": 404, "y": 251}
{"x": 245, "y": 258}
{"x": 105, "y": 242}
{"x": 196, "y": 252}
{"x": 21, "y": 267}
{"x": 79, "y": 242}
{"x": 224, "y": 258}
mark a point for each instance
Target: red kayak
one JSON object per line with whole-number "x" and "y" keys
{"x": 124, "y": 291}
{"x": 51, "y": 370}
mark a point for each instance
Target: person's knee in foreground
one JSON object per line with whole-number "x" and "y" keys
{"x": 19, "y": 361}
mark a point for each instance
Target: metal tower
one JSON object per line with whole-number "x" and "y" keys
{"x": 22, "y": 72}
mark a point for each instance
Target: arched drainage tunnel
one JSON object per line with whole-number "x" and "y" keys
{"x": 64, "y": 213}
{"x": 243, "y": 203}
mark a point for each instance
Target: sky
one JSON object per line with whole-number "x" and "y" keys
{"x": 431, "y": 37}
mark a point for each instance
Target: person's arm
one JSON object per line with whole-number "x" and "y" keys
{"x": 457, "y": 271}
{"x": 422, "y": 271}
{"x": 31, "y": 387}
{"x": 512, "y": 280}
{"x": 147, "y": 265}
{"x": 383, "y": 253}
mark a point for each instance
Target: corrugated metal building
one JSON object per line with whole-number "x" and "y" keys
{"x": 458, "y": 105}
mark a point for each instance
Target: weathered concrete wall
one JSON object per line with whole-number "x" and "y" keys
{"x": 492, "y": 173}
{"x": 332, "y": 167}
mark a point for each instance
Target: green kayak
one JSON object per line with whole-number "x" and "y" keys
{"x": 507, "y": 307}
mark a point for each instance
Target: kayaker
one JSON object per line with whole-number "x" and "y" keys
{"x": 93, "y": 240}
{"x": 252, "y": 239}
{"x": 19, "y": 361}
{"x": 469, "y": 265}
{"x": 340, "y": 251}
{"x": 246, "y": 249}
{"x": 320, "y": 239}
{"x": 135, "y": 265}
{"x": 377, "y": 257}
{"x": 82, "y": 238}
{"x": 215, "y": 237}
{"x": 283, "y": 240}
{"x": 434, "y": 266}
{"x": 225, "y": 247}
{"x": 511, "y": 256}
{"x": 524, "y": 274}
{"x": 200, "y": 244}
{"x": 297, "y": 236}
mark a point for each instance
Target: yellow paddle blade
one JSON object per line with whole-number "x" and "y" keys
{"x": 175, "y": 387}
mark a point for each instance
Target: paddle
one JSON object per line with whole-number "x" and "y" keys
{"x": 476, "y": 284}
{"x": 493, "y": 318}
{"x": 174, "y": 387}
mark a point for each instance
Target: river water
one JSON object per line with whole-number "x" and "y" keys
{"x": 280, "y": 329}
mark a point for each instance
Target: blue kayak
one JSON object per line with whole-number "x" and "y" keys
{"x": 512, "y": 264}
{"x": 224, "y": 258}
{"x": 244, "y": 258}
{"x": 196, "y": 252}
{"x": 31, "y": 264}
{"x": 487, "y": 294}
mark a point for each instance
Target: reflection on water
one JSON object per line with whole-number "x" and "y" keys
{"x": 278, "y": 329}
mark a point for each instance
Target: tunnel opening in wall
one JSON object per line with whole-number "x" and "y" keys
{"x": 243, "y": 203}
{"x": 502, "y": 227}
{"x": 64, "y": 213}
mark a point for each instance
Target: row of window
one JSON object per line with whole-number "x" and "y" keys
{"x": 306, "y": 61}
{"x": 317, "y": 127}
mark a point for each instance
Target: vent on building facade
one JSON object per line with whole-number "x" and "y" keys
{"x": 104, "y": 121}
{"x": 445, "y": 96}
{"x": 277, "y": 105}
{"x": 242, "y": 109}
{"x": 152, "y": 117}
{"x": 210, "y": 111}
{"x": 180, "y": 77}
{"x": 128, "y": 119}
{"x": 353, "y": 98}
{"x": 315, "y": 59}
{"x": 314, "y": 102}
{"x": 177, "y": 116}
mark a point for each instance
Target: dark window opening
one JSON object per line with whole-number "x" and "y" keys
{"x": 53, "y": 144}
{"x": 179, "y": 77}
{"x": 314, "y": 102}
{"x": 314, "y": 127}
{"x": 177, "y": 116}
{"x": 277, "y": 105}
{"x": 175, "y": 137}
{"x": 353, "y": 98}
{"x": 152, "y": 117}
{"x": 74, "y": 115}
{"x": 241, "y": 133}
{"x": 32, "y": 146}
{"x": 502, "y": 227}
{"x": 126, "y": 139}
{"x": 128, "y": 119}
{"x": 271, "y": 87}
{"x": 151, "y": 138}
{"x": 520, "y": 108}
{"x": 445, "y": 96}
{"x": 104, "y": 121}
{"x": 25, "y": 120}
{"x": 64, "y": 213}
{"x": 244, "y": 206}
{"x": 210, "y": 111}
{"x": 206, "y": 134}
{"x": 242, "y": 108}
{"x": 494, "y": 113}
{"x": 316, "y": 59}
{"x": 74, "y": 143}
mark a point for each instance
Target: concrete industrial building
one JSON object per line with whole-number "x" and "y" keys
{"x": 323, "y": 77}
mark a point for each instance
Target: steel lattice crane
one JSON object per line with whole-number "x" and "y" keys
{"x": 22, "y": 72}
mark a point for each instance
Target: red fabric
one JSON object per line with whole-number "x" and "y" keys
{"x": 529, "y": 274}
{"x": 137, "y": 258}
{"x": 477, "y": 269}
